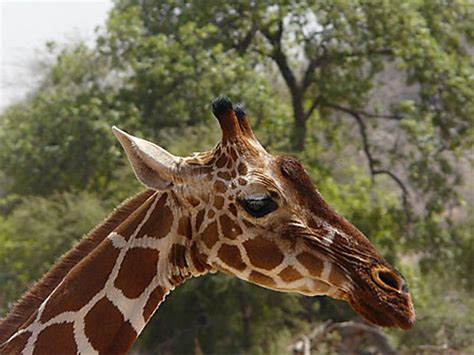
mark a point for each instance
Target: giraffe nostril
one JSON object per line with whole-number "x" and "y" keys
{"x": 388, "y": 280}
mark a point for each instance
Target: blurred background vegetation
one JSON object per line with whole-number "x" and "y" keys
{"x": 376, "y": 98}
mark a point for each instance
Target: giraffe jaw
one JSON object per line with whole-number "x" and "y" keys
{"x": 385, "y": 314}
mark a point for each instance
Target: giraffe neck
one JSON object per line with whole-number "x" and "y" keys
{"x": 105, "y": 301}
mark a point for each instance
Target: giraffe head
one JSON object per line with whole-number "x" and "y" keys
{"x": 260, "y": 218}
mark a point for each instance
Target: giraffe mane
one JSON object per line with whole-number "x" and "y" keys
{"x": 25, "y": 307}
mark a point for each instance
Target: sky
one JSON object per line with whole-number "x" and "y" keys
{"x": 25, "y": 28}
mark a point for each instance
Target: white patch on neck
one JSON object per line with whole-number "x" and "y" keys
{"x": 329, "y": 236}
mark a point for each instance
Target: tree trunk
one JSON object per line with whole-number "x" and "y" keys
{"x": 299, "y": 125}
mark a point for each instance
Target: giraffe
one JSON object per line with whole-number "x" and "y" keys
{"x": 235, "y": 209}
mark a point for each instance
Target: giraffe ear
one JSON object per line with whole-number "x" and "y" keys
{"x": 153, "y": 166}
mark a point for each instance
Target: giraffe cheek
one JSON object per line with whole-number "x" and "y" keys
{"x": 336, "y": 277}
{"x": 210, "y": 235}
{"x": 230, "y": 256}
{"x": 311, "y": 263}
{"x": 290, "y": 274}
{"x": 230, "y": 229}
{"x": 263, "y": 253}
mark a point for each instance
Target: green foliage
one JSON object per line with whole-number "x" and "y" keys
{"x": 171, "y": 77}
{"x": 329, "y": 55}
{"x": 59, "y": 139}
{"x": 37, "y": 232}
{"x": 225, "y": 315}
{"x": 445, "y": 316}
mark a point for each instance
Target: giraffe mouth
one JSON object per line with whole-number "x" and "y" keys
{"x": 384, "y": 316}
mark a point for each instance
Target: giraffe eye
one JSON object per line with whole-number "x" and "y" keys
{"x": 259, "y": 205}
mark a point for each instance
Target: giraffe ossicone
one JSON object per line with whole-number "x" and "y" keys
{"x": 235, "y": 209}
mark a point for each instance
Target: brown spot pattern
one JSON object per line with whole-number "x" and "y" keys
{"x": 57, "y": 338}
{"x": 336, "y": 276}
{"x": 311, "y": 263}
{"x": 232, "y": 153}
{"x": 184, "y": 227}
{"x": 233, "y": 209}
{"x": 221, "y": 161}
{"x": 131, "y": 224}
{"x": 224, "y": 175}
{"x": 242, "y": 181}
{"x": 261, "y": 279}
{"x": 160, "y": 221}
{"x": 242, "y": 169}
{"x": 153, "y": 301}
{"x": 176, "y": 279}
{"x": 230, "y": 255}
{"x": 220, "y": 187}
{"x": 230, "y": 229}
{"x": 218, "y": 202}
{"x": 290, "y": 274}
{"x": 209, "y": 236}
{"x": 263, "y": 253}
{"x": 193, "y": 201}
{"x": 199, "y": 219}
{"x": 89, "y": 276}
{"x": 137, "y": 270}
{"x": 178, "y": 255}
{"x": 199, "y": 260}
{"x": 113, "y": 335}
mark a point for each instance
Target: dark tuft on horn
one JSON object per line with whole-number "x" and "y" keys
{"x": 239, "y": 111}
{"x": 220, "y": 106}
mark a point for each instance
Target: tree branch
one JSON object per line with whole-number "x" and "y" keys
{"x": 242, "y": 46}
{"x": 363, "y": 113}
{"x": 313, "y": 64}
{"x": 280, "y": 58}
{"x": 399, "y": 182}
{"x": 365, "y": 53}
{"x": 345, "y": 329}
{"x": 326, "y": 58}
{"x": 314, "y": 105}
{"x": 366, "y": 146}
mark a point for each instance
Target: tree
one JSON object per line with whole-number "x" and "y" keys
{"x": 310, "y": 75}
{"x": 329, "y": 55}
{"x": 36, "y": 232}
